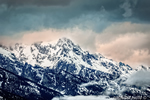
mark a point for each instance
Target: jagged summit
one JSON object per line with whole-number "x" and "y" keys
{"x": 65, "y": 67}
{"x": 64, "y": 41}
{"x": 47, "y": 54}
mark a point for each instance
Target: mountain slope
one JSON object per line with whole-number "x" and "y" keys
{"x": 66, "y": 68}
{"x": 14, "y": 86}
{"x": 58, "y": 79}
{"x": 48, "y": 55}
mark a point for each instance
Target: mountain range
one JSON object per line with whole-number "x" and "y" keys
{"x": 44, "y": 70}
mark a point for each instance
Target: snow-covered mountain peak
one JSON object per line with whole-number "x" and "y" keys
{"x": 46, "y": 54}
{"x": 65, "y": 67}
{"x": 64, "y": 42}
{"x": 64, "y": 39}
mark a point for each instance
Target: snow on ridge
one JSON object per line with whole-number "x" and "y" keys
{"x": 53, "y": 43}
{"x": 34, "y": 54}
{"x": 6, "y": 53}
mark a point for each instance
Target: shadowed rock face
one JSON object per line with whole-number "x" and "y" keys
{"x": 20, "y": 88}
{"x": 43, "y": 71}
{"x": 59, "y": 78}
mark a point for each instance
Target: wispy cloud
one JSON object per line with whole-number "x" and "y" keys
{"x": 126, "y": 42}
{"x": 126, "y": 6}
{"x": 140, "y": 78}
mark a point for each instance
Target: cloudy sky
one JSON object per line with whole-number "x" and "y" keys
{"x": 118, "y": 29}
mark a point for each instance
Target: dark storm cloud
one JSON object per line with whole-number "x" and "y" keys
{"x": 17, "y": 19}
{"x": 123, "y": 25}
{"x": 142, "y": 10}
{"x": 25, "y": 15}
{"x": 34, "y": 2}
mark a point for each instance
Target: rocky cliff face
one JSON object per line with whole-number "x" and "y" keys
{"x": 62, "y": 68}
